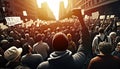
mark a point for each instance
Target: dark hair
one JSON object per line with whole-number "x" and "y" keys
{"x": 101, "y": 30}
{"x": 60, "y": 42}
{"x": 38, "y": 37}
{"x": 26, "y": 48}
{"x": 105, "y": 47}
{"x": 10, "y": 39}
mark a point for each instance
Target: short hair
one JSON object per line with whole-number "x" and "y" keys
{"x": 112, "y": 34}
{"x": 105, "y": 47}
{"x": 118, "y": 44}
{"x": 39, "y": 37}
{"x": 60, "y": 42}
{"x": 101, "y": 30}
{"x": 26, "y": 48}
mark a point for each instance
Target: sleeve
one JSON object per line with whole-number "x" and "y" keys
{"x": 94, "y": 43}
{"x": 109, "y": 40}
{"x": 86, "y": 41}
{"x": 91, "y": 65}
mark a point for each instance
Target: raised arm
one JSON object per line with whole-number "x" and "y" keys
{"x": 86, "y": 44}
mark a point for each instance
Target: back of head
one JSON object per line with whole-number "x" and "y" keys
{"x": 112, "y": 34}
{"x": 4, "y": 44}
{"x": 39, "y": 37}
{"x": 60, "y": 42}
{"x": 27, "y": 35}
{"x": 105, "y": 48}
{"x": 118, "y": 47}
{"x": 4, "y": 41}
{"x": 10, "y": 39}
{"x": 101, "y": 30}
{"x": 26, "y": 48}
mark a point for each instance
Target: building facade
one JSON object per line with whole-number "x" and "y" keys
{"x": 16, "y": 8}
{"x": 102, "y": 6}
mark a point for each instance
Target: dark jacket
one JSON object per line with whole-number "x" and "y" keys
{"x": 32, "y": 60}
{"x": 70, "y": 61}
{"x": 116, "y": 53}
{"x": 64, "y": 60}
{"x": 104, "y": 62}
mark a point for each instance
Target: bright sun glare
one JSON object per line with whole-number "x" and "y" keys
{"x": 54, "y": 6}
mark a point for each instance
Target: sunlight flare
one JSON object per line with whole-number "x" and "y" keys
{"x": 54, "y": 6}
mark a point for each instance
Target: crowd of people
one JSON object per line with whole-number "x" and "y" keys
{"x": 75, "y": 44}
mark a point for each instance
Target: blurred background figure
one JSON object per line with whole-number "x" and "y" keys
{"x": 30, "y": 60}
{"x": 116, "y": 52}
{"x": 71, "y": 44}
{"x": 41, "y": 47}
{"x": 102, "y": 60}
{"x": 112, "y": 36}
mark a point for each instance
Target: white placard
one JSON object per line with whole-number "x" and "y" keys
{"x": 112, "y": 16}
{"x": 102, "y": 16}
{"x": 11, "y": 21}
{"x": 118, "y": 23}
{"x": 108, "y": 16}
{"x": 95, "y": 15}
{"x": 24, "y": 13}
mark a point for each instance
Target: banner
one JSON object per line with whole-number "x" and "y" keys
{"x": 11, "y": 21}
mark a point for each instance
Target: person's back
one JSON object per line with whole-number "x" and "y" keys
{"x": 104, "y": 60}
{"x": 30, "y": 60}
{"x": 60, "y": 45}
{"x": 58, "y": 62}
{"x": 99, "y": 38}
{"x": 62, "y": 58}
{"x": 41, "y": 47}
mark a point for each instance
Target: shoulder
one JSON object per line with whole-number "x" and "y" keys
{"x": 43, "y": 65}
{"x": 79, "y": 57}
{"x": 96, "y": 37}
{"x": 23, "y": 57}
{"x": 35, "y": 44}
{"x": 36, "y": 55}
{"x": 116, "y": 58}
{"x": 45, "y": 43}
{"x": 95, "y": 59}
